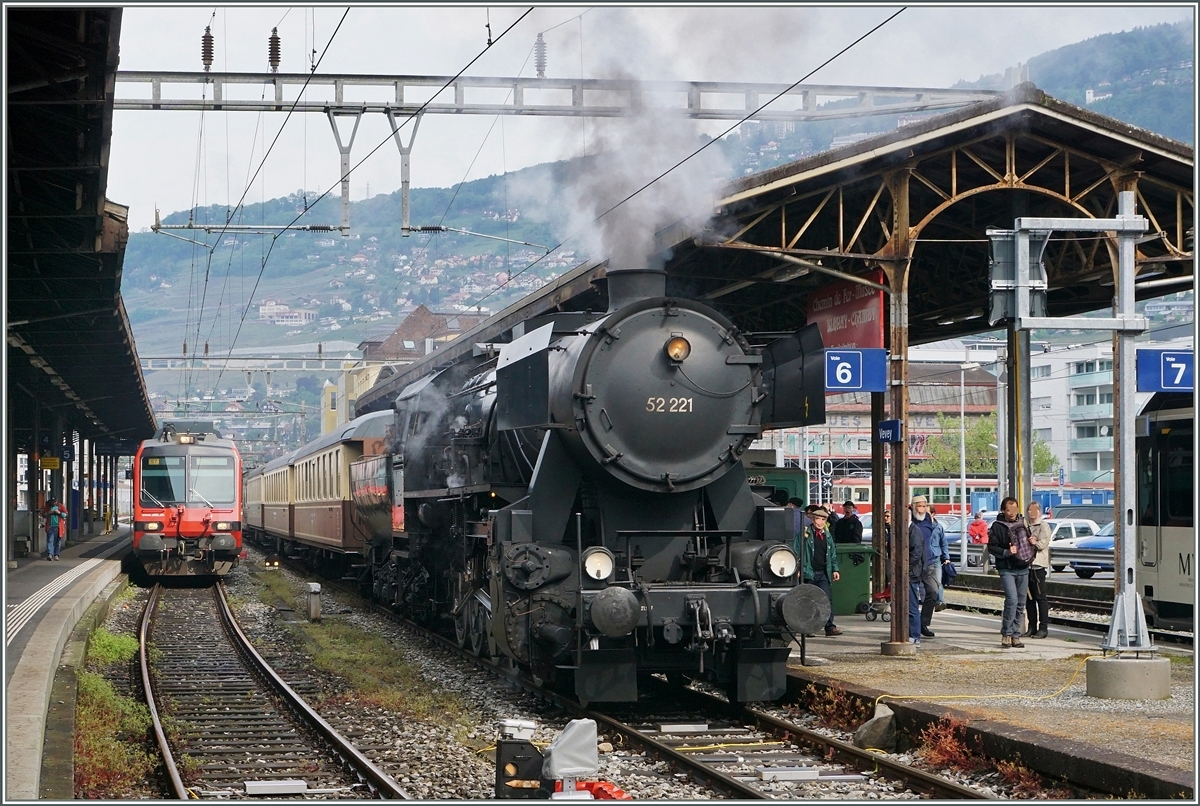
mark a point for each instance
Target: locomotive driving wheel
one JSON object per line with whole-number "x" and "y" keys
{"x": 479, "y": 628}
{"x": 462, "y": 627}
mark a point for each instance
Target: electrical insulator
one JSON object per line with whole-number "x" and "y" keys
{"x": 206, "y": 349}
{"x": 273, "y": 50}
{"x": 206, "y": 48}
{"x": 539, "y": 56}
{"x": 185, "y": 348}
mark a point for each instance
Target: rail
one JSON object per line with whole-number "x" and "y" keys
{"x": 351, "y": 758}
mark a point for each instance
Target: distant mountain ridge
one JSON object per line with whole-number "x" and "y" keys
{"x": 360, "y": 286}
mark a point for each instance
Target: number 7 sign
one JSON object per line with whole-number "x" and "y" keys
{"x": 1166, "y": 371}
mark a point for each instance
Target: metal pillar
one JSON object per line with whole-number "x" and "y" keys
{"x": 1018, "y": 438}
{"x": 13, "y": 498}
{"x": 878, "y": 577}
{"x": 405, "y": 154}
{"x": 1127, "y": 630}
{"x": 69, "y": 484}
{"x": 37, "y": 534}
{"x": 897, "y": 273}
{"x": 344, "y": 151}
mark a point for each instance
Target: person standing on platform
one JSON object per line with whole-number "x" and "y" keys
{"x": 927, "y": 534}
{"x": 1009, "y": 547}
{"x": 849, "y": 529}
{"x": 819, "y": 561}
{"x": 54, "y": 516}
{"x": 1039, "y": 568}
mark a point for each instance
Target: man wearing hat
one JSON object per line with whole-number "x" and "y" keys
{"x": 849, "y": 529}
{"x": 927, "y": 552}
{"x": 819, "y": 560}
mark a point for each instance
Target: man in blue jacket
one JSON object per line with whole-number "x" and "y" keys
{"x": 818, "y": 560}
{"x": 928, "y": 552}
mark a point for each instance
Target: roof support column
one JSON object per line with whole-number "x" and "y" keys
{"x": 1019, "y": 434}
{"x": 897, "y": 271}
{"x": 878, "y": 574}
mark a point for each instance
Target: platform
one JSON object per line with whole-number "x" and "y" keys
{"x": 44, "y": 602}
{"x": 1056, "y": 728}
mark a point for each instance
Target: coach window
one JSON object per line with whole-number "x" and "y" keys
{"x": 1178, "y": 474}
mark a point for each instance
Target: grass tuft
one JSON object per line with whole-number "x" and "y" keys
{"x": 110, "y": 740}
{"x": 105, "y": 648}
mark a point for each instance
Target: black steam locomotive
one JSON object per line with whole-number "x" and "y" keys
{"x": 574, "y": 499}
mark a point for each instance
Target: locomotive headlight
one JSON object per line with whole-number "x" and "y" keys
{"x": 677, "y": 347}
{"x": 779, "y": 561}
{"x": 599, "y": 563}
{"x": 223, "y": 526}
{"x": 153, "y": 526}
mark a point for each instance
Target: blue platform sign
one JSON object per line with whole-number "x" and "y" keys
{"x": 890, "y": 431}
{"x": 856, "y": 370}
{"x": 1166, "y": 371}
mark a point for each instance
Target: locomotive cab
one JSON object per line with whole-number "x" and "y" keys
{"x": 187, "y": 503}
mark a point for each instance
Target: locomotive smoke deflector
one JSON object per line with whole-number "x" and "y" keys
{"x": 794, "y": 380}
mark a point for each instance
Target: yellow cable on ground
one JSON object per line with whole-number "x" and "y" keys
{"x": 987, "y": 696}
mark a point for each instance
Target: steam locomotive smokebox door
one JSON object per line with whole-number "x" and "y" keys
{"x": 523, "y": 381}
{"x": 794, "y": 377}
{"x": 607, "y": 675}
{"x": 762, "y": 673}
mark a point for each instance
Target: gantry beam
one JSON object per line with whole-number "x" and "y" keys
{"x": 550, "y": 97}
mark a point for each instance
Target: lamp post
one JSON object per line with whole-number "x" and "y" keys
{"x": 962, "y": 457}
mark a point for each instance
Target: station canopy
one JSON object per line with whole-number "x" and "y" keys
{"x": 952, "y": 177}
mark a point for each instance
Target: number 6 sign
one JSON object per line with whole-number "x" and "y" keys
{"x": 856, "y": 370}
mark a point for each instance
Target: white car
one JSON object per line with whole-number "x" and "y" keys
{"x": 1064, "y": 532}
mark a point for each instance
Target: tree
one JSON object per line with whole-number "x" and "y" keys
{"x": 981, "y": 453}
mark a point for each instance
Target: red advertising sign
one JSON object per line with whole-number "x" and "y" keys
{"x": 848, "y": 314}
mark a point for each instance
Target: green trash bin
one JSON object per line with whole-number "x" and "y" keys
{"x": 852, "y": 591}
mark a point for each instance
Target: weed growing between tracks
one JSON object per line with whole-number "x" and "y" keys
{"x": 110, "y": 739}
{"x": 378, "y": 673}
{"x": 944, "y": 746}
{"x": 834, "y": 709}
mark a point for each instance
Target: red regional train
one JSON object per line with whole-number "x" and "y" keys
{"x": 187, "y": 504}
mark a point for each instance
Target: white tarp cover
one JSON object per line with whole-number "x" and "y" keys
{"x": 574, "y": 752}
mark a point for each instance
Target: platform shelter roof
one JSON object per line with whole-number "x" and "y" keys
{"x": 70, "y": 346}
{"x": 783, "y": 233}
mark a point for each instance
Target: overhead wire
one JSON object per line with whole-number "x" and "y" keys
{"x": 329, "y": 190}
{"x": 665, "y": 173}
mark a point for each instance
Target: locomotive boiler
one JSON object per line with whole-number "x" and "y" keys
{"x": 575, "y": 500}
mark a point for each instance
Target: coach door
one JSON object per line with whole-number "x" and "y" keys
{"x": 1148, "y": 525}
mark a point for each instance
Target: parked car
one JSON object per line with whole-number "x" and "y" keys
{"x": 1064, "y": 534}
{"x": 1102, "y": 541}
{"x": 1100, "y": 513}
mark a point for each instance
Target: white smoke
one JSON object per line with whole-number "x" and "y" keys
{"x": 627, "y": 153}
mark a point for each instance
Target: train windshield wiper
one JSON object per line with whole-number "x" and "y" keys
{"x": 196, "y": 493}
{"x": 150, "y": 495}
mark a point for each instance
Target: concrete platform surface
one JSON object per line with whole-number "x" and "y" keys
{"x": 43, "y": 603}
{"x": 1038, "y": 692}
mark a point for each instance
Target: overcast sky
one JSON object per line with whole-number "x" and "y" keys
{"x": 176, "y": 159}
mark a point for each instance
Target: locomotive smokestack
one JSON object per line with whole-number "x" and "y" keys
{"x": 633, "y": 285}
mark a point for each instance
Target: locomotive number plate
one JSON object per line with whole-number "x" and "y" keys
{"x": 670, "y": 405}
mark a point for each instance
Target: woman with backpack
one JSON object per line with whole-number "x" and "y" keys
{"x": 1012, "y": 549}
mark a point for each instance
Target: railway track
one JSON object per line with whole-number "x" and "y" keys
{"x": 745, "y": 753}
{"x": 226, "y": 721}
{"x": 742, "y": 753}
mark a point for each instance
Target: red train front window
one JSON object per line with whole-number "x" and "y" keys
{"x": 212, "y": 480}
{"x": 192, "y": 480}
